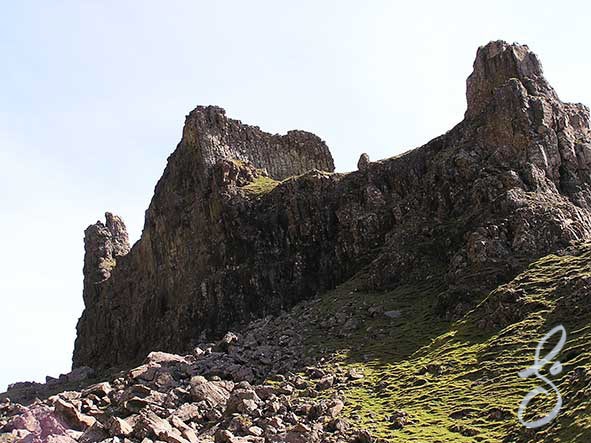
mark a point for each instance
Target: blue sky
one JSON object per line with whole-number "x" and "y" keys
{"x": 93, "y": 95}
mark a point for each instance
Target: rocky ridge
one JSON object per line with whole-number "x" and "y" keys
{"x": 237, "y": 228}
{"x": 245, "y": 225}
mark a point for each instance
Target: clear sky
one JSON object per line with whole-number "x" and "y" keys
{"x": 93, "y": 96}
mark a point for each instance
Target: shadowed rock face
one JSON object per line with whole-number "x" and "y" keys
{"x": 223, "y": 242}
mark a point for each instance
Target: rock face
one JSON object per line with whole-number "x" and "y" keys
{"x": 103, "y": 245}
{"x": 496, "y": 63}
{"x": 196, "y": 252}
{"x": 226, "y": 241}
{"x": 212, "y": 137}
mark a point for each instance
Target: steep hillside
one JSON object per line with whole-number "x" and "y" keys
{"x": 458, "y": 381}
{"x": 353, "y": 366}
{"x": 271, "y": 300}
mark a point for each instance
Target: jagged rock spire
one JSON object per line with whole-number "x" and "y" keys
{"x": 104, "y": 243}
{"x": 525, "y": 124}
{"x": 495, "y": 64}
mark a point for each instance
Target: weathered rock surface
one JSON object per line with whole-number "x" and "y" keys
{"x": 104, "y": 244}
{"x": 225, "y": 242}
{"x": 216, "y": 394}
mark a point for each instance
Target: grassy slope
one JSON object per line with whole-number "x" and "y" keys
{"x": 260, "y": 186}
{"x": 456, "y": 380}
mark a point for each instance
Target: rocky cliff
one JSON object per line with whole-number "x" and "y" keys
{"x": 488, "y": 224}
{"x": 244, "y": 224}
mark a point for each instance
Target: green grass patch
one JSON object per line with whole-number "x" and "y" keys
{"x": 459, "y": 381}
{"x": 261, "y": 186}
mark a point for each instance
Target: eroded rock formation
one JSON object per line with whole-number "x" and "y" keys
{"x": 104, "y": 243}
{"x": 244, "y": 223}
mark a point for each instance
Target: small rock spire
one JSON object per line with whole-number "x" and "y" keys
{"x": 363, "y": 163}
{"x": 104, "y": 243}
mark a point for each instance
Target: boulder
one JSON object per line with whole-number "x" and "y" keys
{"x": 72, "y": 415}
{"x": 214, "y": 393}
{"x": 363, "y": 163}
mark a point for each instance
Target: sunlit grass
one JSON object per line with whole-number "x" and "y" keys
{"x": 458, "y": 381}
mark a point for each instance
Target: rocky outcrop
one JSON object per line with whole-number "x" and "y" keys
{"x": 212, "y": 137}
{"x": 244, "y": 224}
{"x": 215, "y": 394}
{"x": 104, "y": 243}
{"x": 175, "y": 274}
{"x": 363, "y": 163}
